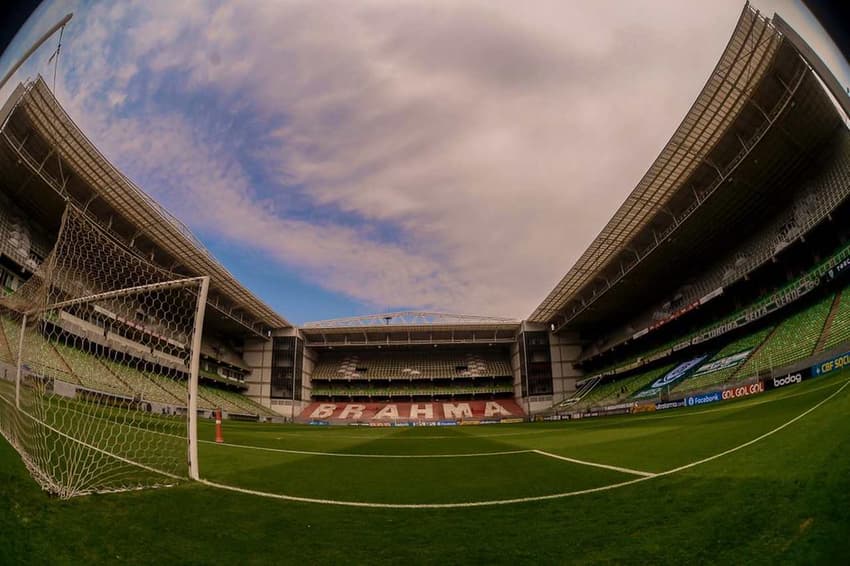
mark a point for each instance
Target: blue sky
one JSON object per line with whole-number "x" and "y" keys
{"x": 342, "y": 158}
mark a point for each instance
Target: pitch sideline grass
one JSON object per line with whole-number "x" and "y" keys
{"x": 786, "y": 498}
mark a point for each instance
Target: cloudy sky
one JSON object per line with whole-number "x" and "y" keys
{"x": 344, "y": 157}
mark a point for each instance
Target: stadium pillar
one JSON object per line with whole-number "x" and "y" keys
{"x": 194, "y": 368}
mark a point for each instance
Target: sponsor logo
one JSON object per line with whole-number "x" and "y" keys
{"x": 319, "y": 423}
{"x": 670, "y": 405}
{"x": 696, "y": 400}
{"x": 677, "y": 373}
{"x": 787, "y": 380}
{"x": 401, "y": 412}
{"x": 743, "y": 390}
{"x": 835, "y": 363}
{"x": 619, "y": 407}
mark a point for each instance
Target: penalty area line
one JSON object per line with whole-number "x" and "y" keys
{"x": 595, "y": 464}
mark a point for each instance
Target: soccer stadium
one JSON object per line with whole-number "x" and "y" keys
{"x": 681, "y": 394}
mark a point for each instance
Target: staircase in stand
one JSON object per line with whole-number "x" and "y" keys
{"x": 824, "y": 336}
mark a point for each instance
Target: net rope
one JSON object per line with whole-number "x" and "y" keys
{"x": 95, "y": 356}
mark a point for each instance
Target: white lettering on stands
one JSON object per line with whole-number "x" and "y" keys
{"x": 352, "y": 412}
{"x": 323, "y": 411}
{"x": 426, "y": 411}
{"x": 492, "y": 409}
{"x": 459, "y": 411}
{"x": 388, "y": 412}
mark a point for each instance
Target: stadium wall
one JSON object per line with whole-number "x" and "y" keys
{"x": 566, "y": 349}
{"x": 308, "y": 364}
{"x": 258, "y": 356}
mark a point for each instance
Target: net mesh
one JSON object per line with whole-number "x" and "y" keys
{"x": 95, "y": 356}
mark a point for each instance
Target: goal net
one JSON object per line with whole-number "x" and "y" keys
{"x": 99, "y": 356}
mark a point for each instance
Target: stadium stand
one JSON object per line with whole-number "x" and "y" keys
{"x": 816, "y": 198}
{"x": 407, "y": 390}
{"x": 837, "y": 328}
{"x": 410, "y": 365}
{"x": 52, "y": 365}
{"x": 409, "y": 374}
{"x": 795, "y": 338}
{"x": 19, "y": 239}
{"x": 621, "y": 389}
{"x": 789, "y": 293}
{"x": 103, "y": 375}
{"x": 584, "y": 387}
{"x": 748, "y": 344}
{"x": 5, "y": 349}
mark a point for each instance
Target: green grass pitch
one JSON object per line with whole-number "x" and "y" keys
{"x": 780, "y": 495}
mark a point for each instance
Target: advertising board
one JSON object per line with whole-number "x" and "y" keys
{"x": 743, "y": 390}
{"x": 704, "y": 398}
{"x": 669, "y": 405}
{"x": 791, "y": 378}
{"x": 832, "y": 364}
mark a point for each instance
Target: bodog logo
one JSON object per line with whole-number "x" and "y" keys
{"x": 787, "y": 380}
{"x": 743, "y": 391}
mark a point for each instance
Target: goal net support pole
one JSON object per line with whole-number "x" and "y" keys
{"x": 194, "y": 368}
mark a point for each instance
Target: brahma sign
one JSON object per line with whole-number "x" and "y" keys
{"x": 502, "y": 408}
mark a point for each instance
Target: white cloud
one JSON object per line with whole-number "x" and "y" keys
{"x": 495, "y": 141}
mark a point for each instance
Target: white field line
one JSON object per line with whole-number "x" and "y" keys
{"x": 352, "y": 455}
{"x": 495, "y": 502}
{"x": 594, "y": 464}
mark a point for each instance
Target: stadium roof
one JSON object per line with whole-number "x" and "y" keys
{"x": 743, "y": 63}
{"x": 410, "y": 329}
{"x": 151, "y": 221}
{"x": 410, "y": 318}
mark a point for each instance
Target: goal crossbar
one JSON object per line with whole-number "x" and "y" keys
{"x": 164, "y": 286}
